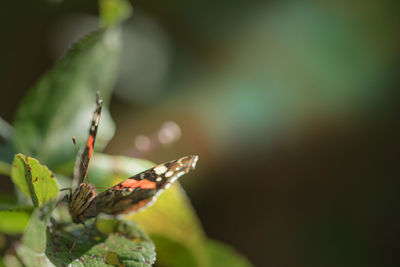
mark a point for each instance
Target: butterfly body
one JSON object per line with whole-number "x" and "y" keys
{"x": 81, "y": 202}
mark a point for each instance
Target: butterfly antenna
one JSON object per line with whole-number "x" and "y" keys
{"x": 98, "y": 99}
{"x": 79, "y": 154}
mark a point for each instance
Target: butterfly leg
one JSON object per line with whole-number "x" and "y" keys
{"x": 79, "y": 237}
{"x": 65, "y": 189}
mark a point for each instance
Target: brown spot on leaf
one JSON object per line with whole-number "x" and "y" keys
{"x": 36, "y": 178}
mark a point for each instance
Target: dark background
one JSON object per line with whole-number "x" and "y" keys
{"x": 292, "y": 107}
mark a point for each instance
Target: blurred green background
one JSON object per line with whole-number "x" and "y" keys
{"x": 291, "y": 105}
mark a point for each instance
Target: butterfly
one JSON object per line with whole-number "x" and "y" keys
{"x": 131, "y": 195}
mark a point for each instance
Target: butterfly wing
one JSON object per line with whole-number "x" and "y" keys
{"x": 82, "y": 163}
{"x": 141, "y": 190}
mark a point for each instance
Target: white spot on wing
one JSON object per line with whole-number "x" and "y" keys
{"x": 195, "y": 159}
{"x": 160, "y": 169}
{"x": 159, "y": 179}
{"x": 179, "y": 174}
{"x": 96, "y": 119}
{"x": 169, "y": 173}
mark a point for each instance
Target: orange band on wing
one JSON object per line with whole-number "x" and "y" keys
{"x": 90, "y": 145}
{"x": 144, "y": 184}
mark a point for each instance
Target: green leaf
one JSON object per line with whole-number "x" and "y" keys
{"x": 171, "y": 218}
{"x": 34, "y": 180}
{"x": 117, "y": 243}
{"x": 173, "y": 253}
{"x": 14, "y": 221}
{"x": 11, "y": 260}
{"x": 221, "y": 255}
{"x": 61, "y": 104}
{"x": 114, "y": 11}
{"x": 33, "y": 246}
